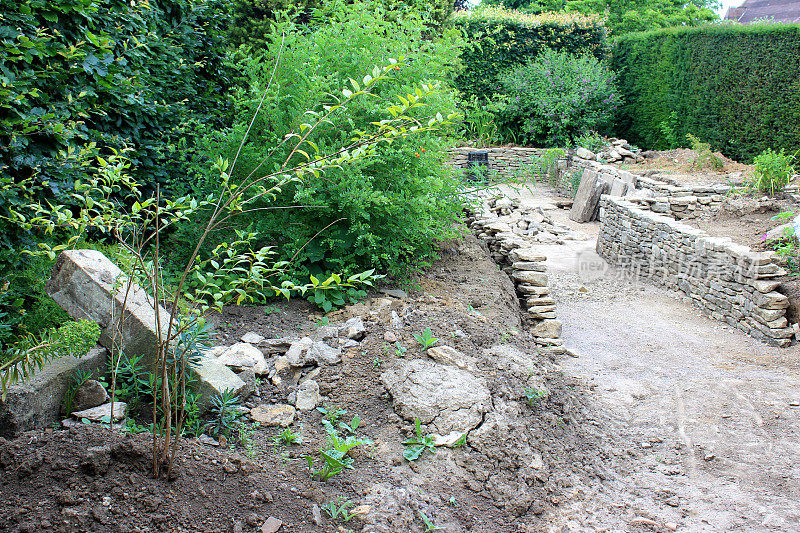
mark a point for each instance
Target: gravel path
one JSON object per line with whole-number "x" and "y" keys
{"x": 705, "y": 419}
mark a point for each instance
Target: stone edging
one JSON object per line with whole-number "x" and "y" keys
{"x": 728, "y": 281}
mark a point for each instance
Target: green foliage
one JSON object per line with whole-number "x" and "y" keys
{"x": 772, "y": 171}
{"x": 546, "y": 164}
{"x": 667, "y": 128}
{"x": 704, "y": 157}
{"x": 418, "y": 444}
{"x": 429, "y": 525}
{"x": 625, "y": 16}
{"x": 557, "y": 97}
{"x": 535, "y": 396}
{"x": 591, "y": 140}
{"x": 786, "y": 243}
{"x": 426, "y": 339}
{"x": 331, "y": 412}
{"x": 479, "y": 122}
{"x": 31, "y": 352}
{"x": 734, "y": 86}
{"x": 339, "y": 508}
{"x": 336, "y": 292}
{"x": 500, "y": 40}
{"x": 288, "y": 437}
{"x": 386, "y": 212}
{"x": 334, "y": 453}
{"x": 224, "y": 414}
{"x": 123, "y": 74}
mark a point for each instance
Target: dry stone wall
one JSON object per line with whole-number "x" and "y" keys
{"x": 506, "y": 162}
{"x": 728, "y": 281}
{"x": 511, "y": 233}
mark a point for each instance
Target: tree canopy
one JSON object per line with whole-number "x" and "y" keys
{"x": 626, "y": 16}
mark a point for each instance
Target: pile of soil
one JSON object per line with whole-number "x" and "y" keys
{"x": 684, "y": 161}
{"x": 91, "y": 478}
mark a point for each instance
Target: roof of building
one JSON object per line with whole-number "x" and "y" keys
{"x": 777, "y": 10}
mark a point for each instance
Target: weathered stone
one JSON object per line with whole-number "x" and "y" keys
{"x": 618, "y": 187}
{"x": 321, "y": 353}
{"x": 353, "y": 328}
{"x": 284, "y": 375}
{"x": 83, "y": 284}
{"x": 529, "y": 265}
{"x": 308, "y": 396}
{"x": 273, "y": 415}
{"x": 324, "y": 333}
{"x": 526, "y": 254}
{"x": 547, "y": 328}
{"x": 252, "y": 337}
{"x": 272, "y": 525}
{"x": 243, "y": 355}
{"x": 444, "y": 397}
{"x": 583, "y": 153}
{"x": 36, "y": 402}
{"x": 771, "y": 300}
{"x": 90, "y": 394}
{"x": 297, "y": 353}
{"x": 536, "y": 279}
{"x": 102, "y": 412}
{"x": 586, "y": 202}
{"x": 447, "y": 440}
{"x": 765, "y": 285}
{"x": 448, "y": 356}
{"x": 531, "y": 289}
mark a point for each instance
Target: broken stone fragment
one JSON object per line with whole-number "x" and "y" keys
{"x": 308, "y": 396}
{"x": 353, "y": 329}
{"x": 102, "y": 412}
{"x": 90, "y": 394}
{"x": 252, "y": 337}
{"x": 273, "y": 415}
{"x": 243, "y": 355}
{"x": 448, "y": 356}
{"x": 547, "y": 328}
{"x": 444, "y": 397}
{"x": 537, "y": 279}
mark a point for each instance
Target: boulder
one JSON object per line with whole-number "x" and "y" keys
{"x": 87, "y": 285}
{"x": 444, "y": 397}
{"x": 36, "y": 402}
{"x": 242, "y": 356}
{"x": 587, "y": 199}
{"x": 90, "y": 394}
{"x": 583, "y": 153}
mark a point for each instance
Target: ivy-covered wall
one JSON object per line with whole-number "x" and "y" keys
{"x": 736, "y": 87}
{"x": 499, "y": 40}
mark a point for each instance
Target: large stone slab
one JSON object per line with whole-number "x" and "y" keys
{"x": 586, "y": 204}
{"x": 36, "y": 402}
{"x": 89, "y": 286}
{"x": 442, "y": 396}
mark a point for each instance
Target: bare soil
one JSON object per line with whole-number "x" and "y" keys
{"x": 49, "y": 484}
{"x": 683, "y": 164}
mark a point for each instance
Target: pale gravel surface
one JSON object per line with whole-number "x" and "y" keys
{"x": 708, "y": 417}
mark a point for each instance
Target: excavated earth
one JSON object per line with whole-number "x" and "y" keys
{"x": 665, "y": 421}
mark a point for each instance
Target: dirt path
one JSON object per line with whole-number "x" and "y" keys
{"x": 709, "y": 418}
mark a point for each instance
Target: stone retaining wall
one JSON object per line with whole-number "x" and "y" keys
{"x": 728, "y": 281}
{"x": 506, "y": 162}
{"x": 509, "y": 232}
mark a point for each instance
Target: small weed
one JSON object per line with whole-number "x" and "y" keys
{"x": 452, "y": 500}
{"x": 324, "y": 321}
{"x": 705, "y": 157}
{"x": 417, "y": 445}
{"x": 376, "y": 363}
{"x": 535, "y": 396}
{"x": 334, "y": 456}
{"x": 429, "y": 525}
{"x": 462, "y": 441}
{"x": 244, "y": 436}
{"x": 352, "y": 426}
{"x": 426, "y": 339}
{"x": 288, "y": 437}
{"x": 224, "y": 414}
{"x": 271, "y": 310}
{"x": 331, "y": 412}
{"x": 339, "y": 508}
{"x": 400, "y": 350}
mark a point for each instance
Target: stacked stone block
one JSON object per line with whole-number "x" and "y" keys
{"x": 506, "y": 162}
{"x": 728, "y": 281}
{"x": 513, "y": 250}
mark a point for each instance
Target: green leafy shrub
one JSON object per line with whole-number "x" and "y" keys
{"x": 772, "y": 170}
{"x": 734, "y": 86}
{"x": 387, "y": 212}
{"x": 499, "y": 40}
{"x": 591, "y": 140}
{"x": 557, "y": 97}
{"x": 704, "y": 157}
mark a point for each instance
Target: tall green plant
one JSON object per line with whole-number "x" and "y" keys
{"x": 139, "y": 230}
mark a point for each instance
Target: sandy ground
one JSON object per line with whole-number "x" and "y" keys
{"x": 671, "y": 380}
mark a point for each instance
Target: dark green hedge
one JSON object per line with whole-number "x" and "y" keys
{"x": 736, "y": 87}
{"x": 139, "y": 75}
{"x": 499, "y": 40}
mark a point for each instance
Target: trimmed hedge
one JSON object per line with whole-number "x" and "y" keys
{"x": 500, "y": 40}
{"x": 736, "y": 87}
